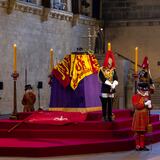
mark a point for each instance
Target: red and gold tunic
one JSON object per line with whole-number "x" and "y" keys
{"x": 28, "y": 101}
{"x": 141, "y": 114}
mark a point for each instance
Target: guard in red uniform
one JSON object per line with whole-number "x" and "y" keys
{"x": 142, "y": 104}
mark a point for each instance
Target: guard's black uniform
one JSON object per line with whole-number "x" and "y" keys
{"x": 107, "y": 92}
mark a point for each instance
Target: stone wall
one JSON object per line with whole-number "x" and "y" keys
{"x": 34, "y": 40}
{"x": 124, "y": 39}
{"x": 131, "y": 24}
{"x": 131, "y": 9}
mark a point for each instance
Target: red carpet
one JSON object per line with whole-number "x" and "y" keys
{"x": 88, "y": 134}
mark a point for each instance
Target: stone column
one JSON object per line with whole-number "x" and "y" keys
{"x": 38, "y": 2}
{"x": 90, "y": 8}
{"x": 100, "y": 10}
{"x": 51, "y": 3}
{"x": 69, "y": 5}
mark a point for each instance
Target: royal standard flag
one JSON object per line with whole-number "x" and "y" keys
{"x": 82, "y": 65}
{"x": 62, "y": 70}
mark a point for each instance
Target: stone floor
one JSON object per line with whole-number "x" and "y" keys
{"x": 153, "y": 154}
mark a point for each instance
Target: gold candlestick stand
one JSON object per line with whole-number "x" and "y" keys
{"x": 15, "y": 75}
{"x": 135, "y": 75}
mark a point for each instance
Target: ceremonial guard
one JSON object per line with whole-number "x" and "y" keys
{"x": 29, "y": 99}
{"x": 142, "y": 104}
{"x": 109, "y": 80}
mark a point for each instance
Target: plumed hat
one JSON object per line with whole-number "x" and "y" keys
{"x": 145, "y": 63}
{"x": 27, "y": 87}
{"x": 109, "y": 54}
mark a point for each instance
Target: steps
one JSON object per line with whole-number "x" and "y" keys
{"x": 90, "y": 136}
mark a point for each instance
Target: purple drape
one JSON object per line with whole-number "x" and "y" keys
{"x": 85, "y": 95}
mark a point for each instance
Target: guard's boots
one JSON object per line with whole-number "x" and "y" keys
{"x": 110, "y": 109}
{"x": 104, "y": 106}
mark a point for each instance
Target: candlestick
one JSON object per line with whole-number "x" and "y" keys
{"x": 14, "y": 58}
{"x": 15, "y": 75}
{"x": 136, "y": 60}
{"x": 51, "y": 59}
{"x": 109, "y": 46}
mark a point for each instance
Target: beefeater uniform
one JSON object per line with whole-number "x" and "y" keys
{"x": 142, "y": 103}
{"x": 29, "y": 98}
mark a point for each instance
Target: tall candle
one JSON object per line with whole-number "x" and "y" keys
{"x": 14, "y": 58}
{"x": 51, "y": 59}
{"x": 109, "y": 46}
{"x": 136, "y": 60}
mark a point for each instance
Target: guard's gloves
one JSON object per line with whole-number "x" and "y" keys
{"x": 148, "y": 104}
{"x": 114, "y": 84}
{"x": 107, "y": 82}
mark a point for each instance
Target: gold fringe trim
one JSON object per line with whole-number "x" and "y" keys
{"x": 89, "y": 109}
